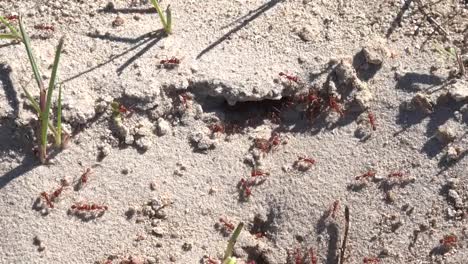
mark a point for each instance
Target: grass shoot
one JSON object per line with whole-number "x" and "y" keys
{"x": 228, "y": 258}
{"x": 165, "y": 20}
{"x": 45, "y": 95}
{"x": 13, "y": 34}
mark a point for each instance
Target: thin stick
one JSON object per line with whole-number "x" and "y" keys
{"x": 345, "y": 237}
{"x": 431, "y": 20}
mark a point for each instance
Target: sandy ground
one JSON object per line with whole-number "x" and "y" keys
{"x": 173, "y": 167}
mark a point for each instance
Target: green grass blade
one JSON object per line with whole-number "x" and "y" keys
{"x": 7, "y": 36}
{"x": 34, "y": 104}
{"x": 32, "y": 60}
{"x": 58, "y": 136}
{"x": 36, "y": 107}
{"x": 231, "y": 243}
{"x": 160, "y": 13}
{"x": 46, "y": 110}
{"x": 168, "y": 20}
{"x": 12, "y": 29}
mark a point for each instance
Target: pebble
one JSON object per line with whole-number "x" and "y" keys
{"x": 163, "y": 127}
{"x": 306, "y": 33}
{"x": 445, "y": 134}
{"x": 423, "y": 103}
{"x": 118, "y": 21}
{"x": 143, "y": 143}
{"x": 130, "y": 212}
{"x": 158, "y": 231}
{"x": 153, "y": 186}
{"x": 459, "y": 90}
{"x": 372, "y": 56}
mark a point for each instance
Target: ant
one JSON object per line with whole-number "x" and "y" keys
{"x": 246, "y": 187}
{"x": 47, "y": 199}
{"x": 308, "y": 160}
{"x": 228, "y": 225}
{"x": 44, "y": 27}
{"x": 217, "y": 128}
{"x": 88, "y": 207}
{"x": 266, "y": 145}
{"x": 256, "y": 173}
{"x": 290, "y": 78}
{"x": 371, "y": 260}
{"x": 334, "y": 209}
{"x": 397, "y": 174}
{"x": 369, "y": 174}
{"x": 335, "y": 106}
{"x": 84, "y": 176}
{"x": 313, "y": 257}
{"x": 449, "y": 241}
{"x": 12, "y": 17}
{"x": 372, "y": 120}
{"x": 170, "y": 63}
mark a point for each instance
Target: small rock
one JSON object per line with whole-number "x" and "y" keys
{"x": 459, "y": 90}
{"x": 372, "y": 56}
{"x": 101, "y": 107}
{"x": 306, "y": 33}
{"x": 130, "y": 212}
{"x": 201, "y": 142}
{"x": 445, "y": 134}
{"x": 456, "y": 198}
{"x": 137, "y": 17}
{"x": 143, "y": 143}
{"x": 345, "y": 72}
{"x": 187, "y": 247}
{"x": 423, "y": 103}
{"x": 153, "y": 186}
{"x": 363, "y": 98}
{"x": 158, "y": 231}
{"x": 453, "y": 183}
{"x": 163, "y": 127}
{"x": 160, "y": 214}
{"x": 151, "y": 260}
{"x": 156, "y": 203}
{"x": 118, "y": 22}
{"x": 453, "y": 153}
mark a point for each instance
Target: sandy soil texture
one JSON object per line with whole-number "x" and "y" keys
{"x": 280, "y": 115}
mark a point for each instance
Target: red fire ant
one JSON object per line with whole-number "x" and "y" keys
{"x": 298, "y": 256}
{"x": 88, "y": 207}
{"x": 313, "y": 257}
{"x": 169, "y": 63}
{"x": 44, "y": 27}
{"x": 84, "y": 176}
{"x": 217, "y": 128}
{"x": 12, "y": 17}
{"x": 308, "y": 160}
{"x": 246, "y": 187}
{"x": 371, "y": 260}
{"x": 369, "y": 174}
{"x": 259, "y": 235}
{"x": 47, "y": 199}
{"x": 172, "y": 60}
{"x": 267, "y": 145}
{"x": 449, "y": 241}
{"x": 256, "y": 173}
{"x": 335, "y": 106}
{"x": 228, "y": 225}
{"x": 372, "y": 121}
{"x": 290, "y": 78}
{"x": 334, "y": 209}
{"x": 397, "y": 174}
